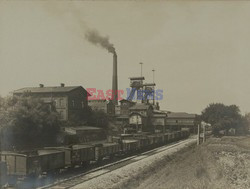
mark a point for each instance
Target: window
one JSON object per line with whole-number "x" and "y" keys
{"x": 60, "y": 102}
{"x": 82, "y": 104}
{"x": 73, "y": 103}
{"x": 61, "y": 115}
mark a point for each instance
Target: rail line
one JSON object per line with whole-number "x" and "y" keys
{"x": 96, "y": 172}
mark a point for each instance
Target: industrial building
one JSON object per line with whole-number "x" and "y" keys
{"x": 178, "y": 120}
{"x": 98, "y": 105}
{"x": 70, "y": 101}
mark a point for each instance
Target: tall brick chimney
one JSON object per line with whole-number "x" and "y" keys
{"x": 115, "y": 80}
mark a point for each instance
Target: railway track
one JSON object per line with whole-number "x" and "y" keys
{"x": 96, "y": 172}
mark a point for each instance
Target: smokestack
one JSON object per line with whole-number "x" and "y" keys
{"x": 114, "y": 80}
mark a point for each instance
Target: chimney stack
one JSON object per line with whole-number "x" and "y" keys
{"x": 41, "y": 85}
{"x": 62, "y": 84}
{"x": 114, "y": 80}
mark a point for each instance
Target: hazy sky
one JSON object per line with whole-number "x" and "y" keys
{"x": 200, "y": 50}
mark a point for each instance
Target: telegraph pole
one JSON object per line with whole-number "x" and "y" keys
{"x": 153, "y": 70}
{"x": 198, "y": 135}
{"x": 204, "y": 133}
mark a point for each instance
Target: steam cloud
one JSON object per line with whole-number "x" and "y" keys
{"x": 94, "y": 37}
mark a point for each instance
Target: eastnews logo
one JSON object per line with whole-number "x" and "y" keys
{"x": 138, "y": 94}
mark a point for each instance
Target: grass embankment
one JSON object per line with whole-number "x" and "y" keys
{"x": 218, "y": 163}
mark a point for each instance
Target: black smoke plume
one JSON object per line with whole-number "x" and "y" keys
{"x": 94, "y": 37}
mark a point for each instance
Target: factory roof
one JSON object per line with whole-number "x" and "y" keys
{"x": 84, "y": 128}
{"x": 160, "y": 112}
{"x": 159, "y": 115}
{"x": 57, "y": 89}
{"x": 97, "y": 100}
{"x": 140, "y": 107}
{"x": 180, "y": 115}
{"x": 125, "y": 100}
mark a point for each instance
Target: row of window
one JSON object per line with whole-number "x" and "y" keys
{"x": 74, "y": 104}
{"x": 61, "y": 103}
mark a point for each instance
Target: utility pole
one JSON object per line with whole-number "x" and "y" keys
{"x": 153, "y": 70}
{"x": 204, "y": 133}
{"x": 141, "y": 68}
{"x": 198, "y": 135}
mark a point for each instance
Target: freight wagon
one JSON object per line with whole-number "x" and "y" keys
{"x": 130, "y": 146}
{"x": 21, "y": 165}
{"x": 51, "y": 160}
{"x": 106, "y": 150}
{"x": 82, "y": 154}
{"x": 67, "y": 154}
{"x": 3, "y": 173}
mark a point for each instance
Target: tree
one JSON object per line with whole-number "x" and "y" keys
{"x": 27, "y": 122}
{"x": 247, "y": 122}
{"x": 98, "y": 119}
{"x": 223, "y": 117}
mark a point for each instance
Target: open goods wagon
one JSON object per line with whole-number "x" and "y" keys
{"x": 106, "y": 149}
{"x": 130, "y": 145}
{"x": 82, "y": 154}
{"x": 79, "y": 154}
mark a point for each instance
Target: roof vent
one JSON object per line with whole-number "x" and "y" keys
{"x": 62, "y": 84}
{"x": 41, "y": 85}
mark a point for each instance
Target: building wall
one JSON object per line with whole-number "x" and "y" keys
{"x": 77, "y": 103}
{"x": 178, "y": 121}
{"x": 98, "y": 105}
{"x": 158, "y": 121}
{"x": 117, "y": 110}
{"x": 68, "y": 104}
{"x": 135, "y": 119}
{"x": 61, "y": 104}
{"x": 125, "y": 107}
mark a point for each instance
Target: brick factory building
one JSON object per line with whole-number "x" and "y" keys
{"x": 70, "y": 101}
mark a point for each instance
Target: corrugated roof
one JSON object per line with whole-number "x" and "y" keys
{"x": 181, "y": 115}
{"x": 57, "y": 89}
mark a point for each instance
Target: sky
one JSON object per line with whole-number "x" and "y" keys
{"x": 199, "y": 49}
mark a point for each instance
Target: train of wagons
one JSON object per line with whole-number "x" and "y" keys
{"x": 50, "y": 160}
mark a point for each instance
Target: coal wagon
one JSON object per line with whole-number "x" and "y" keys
{"x": 130, "y": 145}
{"x": 106, "y": 150}
{"x": 82, "y": 154}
